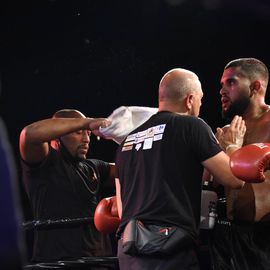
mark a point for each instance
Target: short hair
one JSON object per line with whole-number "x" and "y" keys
{"x": 251, "y": 67}
{"x": 68, "y": 113}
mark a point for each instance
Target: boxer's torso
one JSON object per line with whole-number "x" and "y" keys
{"x": 252, "y": 202}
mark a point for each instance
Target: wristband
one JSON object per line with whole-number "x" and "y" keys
{"x": 231, "y": 145}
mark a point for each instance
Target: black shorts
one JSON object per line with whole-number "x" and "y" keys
{"x": 240, "y": 245}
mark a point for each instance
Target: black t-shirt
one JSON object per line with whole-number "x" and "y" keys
{"x": 160, "y": 172}
{"x": 60, "y": 188}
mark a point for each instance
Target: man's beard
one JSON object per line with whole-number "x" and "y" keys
{"x": 64, "y": 150}
{"x": 238, "y": 107}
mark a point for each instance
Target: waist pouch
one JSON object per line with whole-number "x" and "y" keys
{"x": 150, "y": 239}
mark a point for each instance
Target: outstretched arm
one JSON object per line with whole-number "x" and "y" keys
{"x": 230, "y": 140}
{"x": 219, "y": 167}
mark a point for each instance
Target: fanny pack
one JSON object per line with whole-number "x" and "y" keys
{"x": 150, "y": 239}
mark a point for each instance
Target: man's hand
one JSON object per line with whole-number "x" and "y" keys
{"x": 232, "y": 135}
{"x": 96, "y": 123}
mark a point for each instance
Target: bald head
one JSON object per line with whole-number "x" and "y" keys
{"x": 175, "y": 86}
{"x": 68, "y": 113}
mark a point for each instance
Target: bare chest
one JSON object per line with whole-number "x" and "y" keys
{"x": 257, "y": 133}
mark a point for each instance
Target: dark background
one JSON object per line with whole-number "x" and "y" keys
{"x": 96, "y": 55}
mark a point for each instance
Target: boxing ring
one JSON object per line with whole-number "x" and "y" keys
{"x": 106, "y": 221}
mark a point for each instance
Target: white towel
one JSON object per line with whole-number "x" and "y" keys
{"x": 124, "y": 120}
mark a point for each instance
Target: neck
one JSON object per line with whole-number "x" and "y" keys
{"x": 255, "y": 112}
{"x": 66, "y": 154}
{"x": 171, "y": 107}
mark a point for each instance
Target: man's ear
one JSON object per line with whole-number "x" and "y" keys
{"x": 189, "y": 101}
{"x": 55, "y": 144}
{"x": 254, "y": 87}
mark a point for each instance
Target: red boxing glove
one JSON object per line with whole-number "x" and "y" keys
{"x": 249, "y": 162}
{"x": 106, "y": 217}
